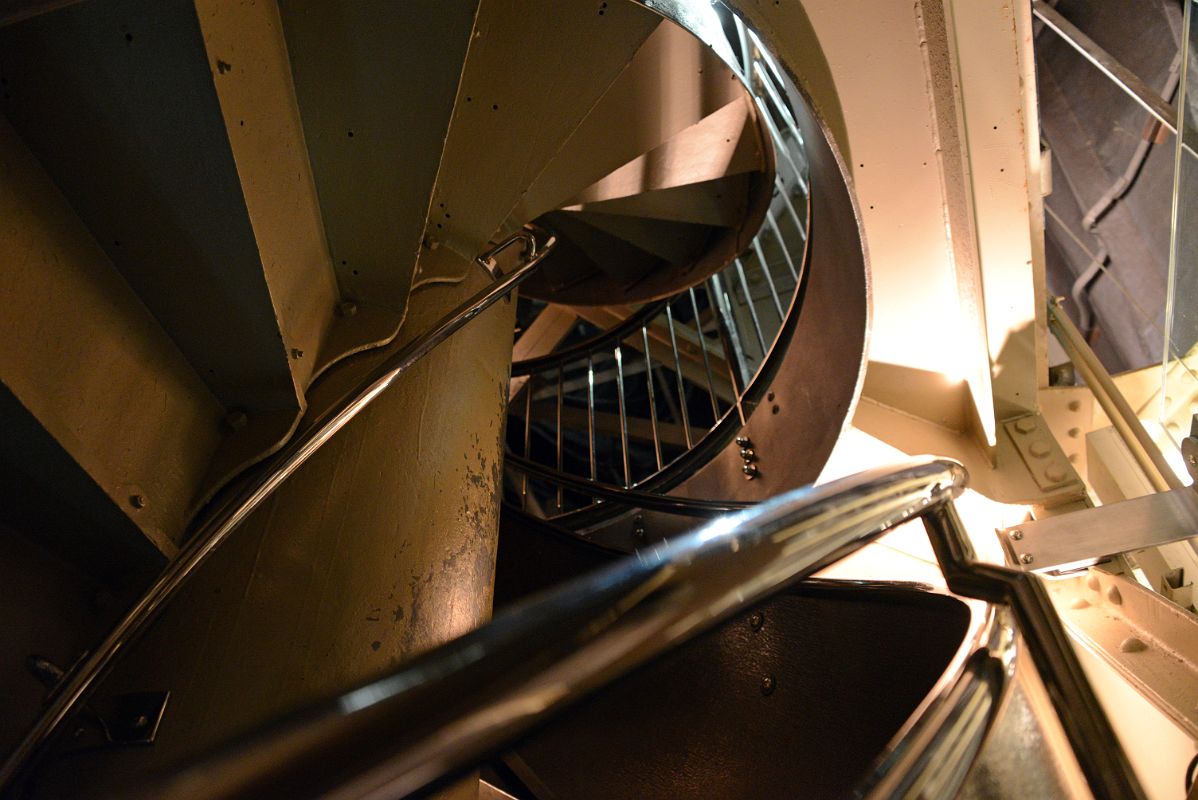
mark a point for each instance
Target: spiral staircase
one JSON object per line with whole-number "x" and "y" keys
{"x": 269, "y": 220}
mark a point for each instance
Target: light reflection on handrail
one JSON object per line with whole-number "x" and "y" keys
{"x": 234, "y": 505}
{"x": 448, "y": 710}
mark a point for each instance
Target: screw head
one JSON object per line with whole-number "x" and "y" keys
{"x": 1026, "y": 558}
{"x": 1017, "y": 535}
{"x": 235, "y": 421}
{"x": 768, "y": 685}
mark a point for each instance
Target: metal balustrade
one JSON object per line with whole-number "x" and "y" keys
{"x": 646, "y": 402}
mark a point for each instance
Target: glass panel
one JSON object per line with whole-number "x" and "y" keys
{"x": 1180, "y": 378}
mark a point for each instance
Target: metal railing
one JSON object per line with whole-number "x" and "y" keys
{"x": 450, "y": 709}
{"x": 722, "y": 340}
{"x": 222, "y": 517}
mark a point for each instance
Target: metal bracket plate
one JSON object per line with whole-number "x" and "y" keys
{"x": 1084, "y": 537}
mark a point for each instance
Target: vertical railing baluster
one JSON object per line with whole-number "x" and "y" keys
{"x": 769, "y": 279}
{"x": 591, "y": 411}
{"x": 738, "y": 368}
{"x": 686, "y": 422}
{"x": 529, "y": 385}
{"x": 773, "y": 223}
{"x": 715, "y": 401}
{"x": 738, "y": 365}
{"x": 769, "y": 123}
{"x": 781, "y": 187}
{"x": 623, "y": 416}
{"x": 744, "y": 285}
{"x": 652, "y": 398}
{"x": 559, "y": 434}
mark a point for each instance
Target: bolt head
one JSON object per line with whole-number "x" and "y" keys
{"x": 1017, "y": 535}
{"x": 750, "y": 471}
{"x": 1026, "y": 558}
{"x": 137, "y": 500}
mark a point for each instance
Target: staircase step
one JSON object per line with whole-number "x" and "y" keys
{"x": 721, "y": 202}
{"x": 375, "y": 84}
{"x": 505, "y": 129}
{"x": 676, "y": 242}
{"x": 117, "y": 101}
{"x": 724, "y": 143}
{"x": 673, "y": 81}
{"x": 617, "y": 258}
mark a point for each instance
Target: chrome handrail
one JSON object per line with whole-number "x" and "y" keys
{"x": 235, "y": 503}
{"x": 449, "y": 709}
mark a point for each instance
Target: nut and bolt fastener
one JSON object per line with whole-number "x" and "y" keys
{"x": 747, "y": 453}
{"x": 744, "y": 441}
{"x": 768, "y": 685}
{"x": 750, "y": 471}
{"x": 1017, "y": 535}
{"x": 1026, "y": 558}
{"x": 756, "y": 620}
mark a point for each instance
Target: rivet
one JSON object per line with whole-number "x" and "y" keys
{"x": 1193, "y": 461}
{"x": 768, "y": 685}
{"x": 756, "y": 620}
{"x": 1114, "y": 596}
{"x": 137, "y": 500}
{"x": 1055, "y": 473}
{"x": 1026, "y": 558}
{"x": 1093, "y": 582}
{"x": 1025, "y": 425}
{"x": 1074, "y": 405}
{"x": 1017, "y": 535}
{"x": 141, "y": 722}
{"x": 347, "y": 308}
{"x": 1080, "y": 602}
{"x": 769, "y": 396}
{"x": 1132, "y": 645}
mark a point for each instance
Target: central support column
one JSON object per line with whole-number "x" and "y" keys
{"x": 380, "y": 547}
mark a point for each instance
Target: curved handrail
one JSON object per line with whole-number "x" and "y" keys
{"x": 616, "y": 333}
{"x": 449, "y": 709}
{"x": 684, "y": 506}
{"x": 224, "y": 515}
{"x": 747, "y": 394}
